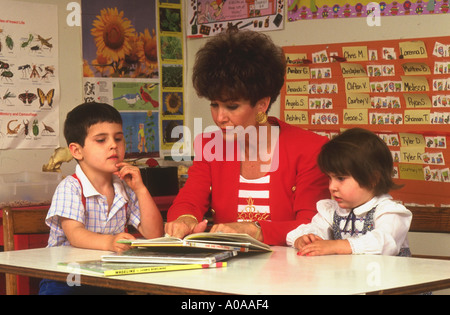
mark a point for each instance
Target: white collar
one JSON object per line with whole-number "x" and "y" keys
{"x": 362, "y": 209}
{"x": 370, "y": 204}
{"x": 89, "y": 190}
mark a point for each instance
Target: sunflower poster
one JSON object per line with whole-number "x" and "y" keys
{"x": 120, "y": 67}
{"x": 29, "y": 85}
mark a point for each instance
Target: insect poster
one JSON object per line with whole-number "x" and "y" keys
{"x": 120, "y": 66}
{"x": 29, "y": 87}
{"x": 399, "y": 89}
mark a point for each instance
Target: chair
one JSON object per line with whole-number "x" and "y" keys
{"x": 431, "y": 220}
{"x": 21, "y": 221}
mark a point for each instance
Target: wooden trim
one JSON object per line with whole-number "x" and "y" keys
{"x": 30, "y": 221}
{"x": 20, "y": 221}
{"x": 148, "y": 288}
{"x": 431, "y": 257}
{"x": 8, "y": 229}
{"x": 430, "y": 219}
{"x": 132, "y": 286}
{"x": 415, "y": 289}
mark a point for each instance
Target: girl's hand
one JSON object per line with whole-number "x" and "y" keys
{"x": 304, "y": 240}
{"x": 320, "y": 248}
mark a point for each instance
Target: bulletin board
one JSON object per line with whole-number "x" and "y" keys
{"x": 399, "y": 89}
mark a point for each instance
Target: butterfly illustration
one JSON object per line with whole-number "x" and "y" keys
{"x": 27, "y": 97}
{"x": 43, "y": 97}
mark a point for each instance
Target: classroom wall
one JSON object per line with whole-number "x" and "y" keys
{"x": 307, "y": 32}
{"x": 310, "y": 32}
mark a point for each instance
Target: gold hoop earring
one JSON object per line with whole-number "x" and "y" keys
{"x": 261, "y": 118}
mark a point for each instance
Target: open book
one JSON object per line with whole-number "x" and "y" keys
{"x": 218, "y": 241}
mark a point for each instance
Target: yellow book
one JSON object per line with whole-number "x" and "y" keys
{"x": 108, "y": 269}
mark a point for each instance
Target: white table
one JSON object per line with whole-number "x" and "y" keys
{"x": 280, "y": 272}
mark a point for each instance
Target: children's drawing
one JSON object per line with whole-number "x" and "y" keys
{"x": 210, "y": 17}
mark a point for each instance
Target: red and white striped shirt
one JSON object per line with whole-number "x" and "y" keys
{"x": 253, "y": 203}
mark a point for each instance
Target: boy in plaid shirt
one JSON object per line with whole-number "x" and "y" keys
{"x": 92, "y": 208}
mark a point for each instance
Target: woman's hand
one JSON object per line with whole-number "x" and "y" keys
{"x": 184, "y": 225}
{"x": 249, "y": 228}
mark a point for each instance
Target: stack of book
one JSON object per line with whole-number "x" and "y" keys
{"x": 195, "y": 251}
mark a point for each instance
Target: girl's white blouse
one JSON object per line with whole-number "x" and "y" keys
{"x": 391, "y": 219}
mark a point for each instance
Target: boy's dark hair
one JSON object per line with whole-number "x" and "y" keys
{"x": 361, "y": 154}
{"x": 237, "y": 65}
{"x": 84, "y": 116}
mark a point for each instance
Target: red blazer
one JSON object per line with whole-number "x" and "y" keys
{"x": 295, "y": 187}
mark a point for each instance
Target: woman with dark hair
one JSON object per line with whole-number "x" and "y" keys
{"x": 257, "y": 174}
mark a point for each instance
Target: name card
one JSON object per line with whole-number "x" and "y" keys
{"x": 295, "y": 59}
{"x": 300, "y": 87}
{"x": 413, "y": 49}
{"x": 352, "y": 70}
{"x": 357, "y": 100}
{"x": 411, "y": 155}
{"x": 414, "y": 68}
{"x": 416, "y": 117}
{"x": 411, "y": 140}
{"x": 417, "y": 100}
{"x": 296, "y": 102}
{"x": 357, "y": 85}
{"x": 296, "y": 117}
{"x": 415, "y": 84}
{"x": 410, "y": 171}
{"x": 297, "y": 73}
{"x": 355, "y": 116}
{"x": 356, "y": 53}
